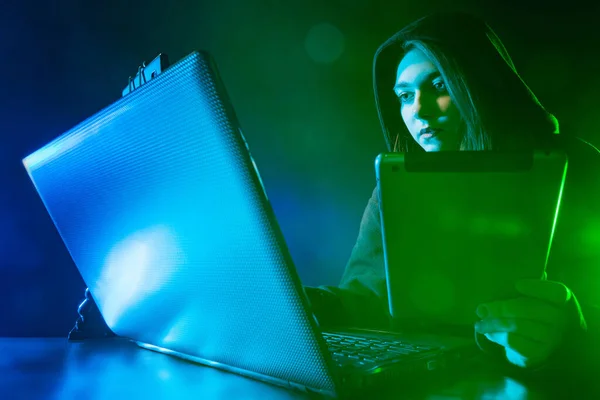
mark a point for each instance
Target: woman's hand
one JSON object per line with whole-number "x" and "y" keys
{"x": 530, "y": 327}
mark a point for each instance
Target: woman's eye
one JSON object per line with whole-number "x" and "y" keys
{"x": 440, "y": 86}
{"x": 404, "y": 97}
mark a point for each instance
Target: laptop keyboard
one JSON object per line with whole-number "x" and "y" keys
{"x": 362, "y": 351}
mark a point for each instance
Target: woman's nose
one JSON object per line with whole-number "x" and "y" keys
{"x": 423, "y": 106}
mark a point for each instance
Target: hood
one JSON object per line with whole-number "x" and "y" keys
{"x": 491, "y": 76}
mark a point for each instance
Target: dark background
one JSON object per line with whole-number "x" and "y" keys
{"x": 299, "y": 75}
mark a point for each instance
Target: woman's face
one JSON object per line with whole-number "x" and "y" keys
{"x": 425, "y": 105}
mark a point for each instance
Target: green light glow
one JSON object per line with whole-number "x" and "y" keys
{"x": 560, "y": 194}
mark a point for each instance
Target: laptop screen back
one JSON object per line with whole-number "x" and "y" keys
{"x": 159, "y": 204}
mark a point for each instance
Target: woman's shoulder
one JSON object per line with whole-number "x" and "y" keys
{"x": 583, "y": 173}
{"x": 579, "y": 149}
{"x": 583, "y": 156}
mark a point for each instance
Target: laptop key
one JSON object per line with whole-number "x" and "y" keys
{"x": 403, "y": 351}
{"x": 379, "y": 346}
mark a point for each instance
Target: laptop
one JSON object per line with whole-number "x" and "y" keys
{"x": 162, "y": 208}
{"x": 463, "y": 227}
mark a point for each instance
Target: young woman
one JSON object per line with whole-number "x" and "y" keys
{"x": 446, "y": 82}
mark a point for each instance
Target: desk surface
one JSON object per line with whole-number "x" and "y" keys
{"x": 53, "y": 368}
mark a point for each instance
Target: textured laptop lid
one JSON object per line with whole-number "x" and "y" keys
{"x": 159, "y": 205}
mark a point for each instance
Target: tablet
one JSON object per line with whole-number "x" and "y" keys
{"x": 460, "y": 228}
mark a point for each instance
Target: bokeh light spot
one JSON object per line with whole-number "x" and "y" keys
{"x": 324, "y": 43}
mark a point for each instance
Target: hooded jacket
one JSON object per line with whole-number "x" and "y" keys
{"x": 361, "y": 300}
{"x": 485, "y": 65}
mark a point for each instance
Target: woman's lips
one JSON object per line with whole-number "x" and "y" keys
{"x": 428, "y": 133}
